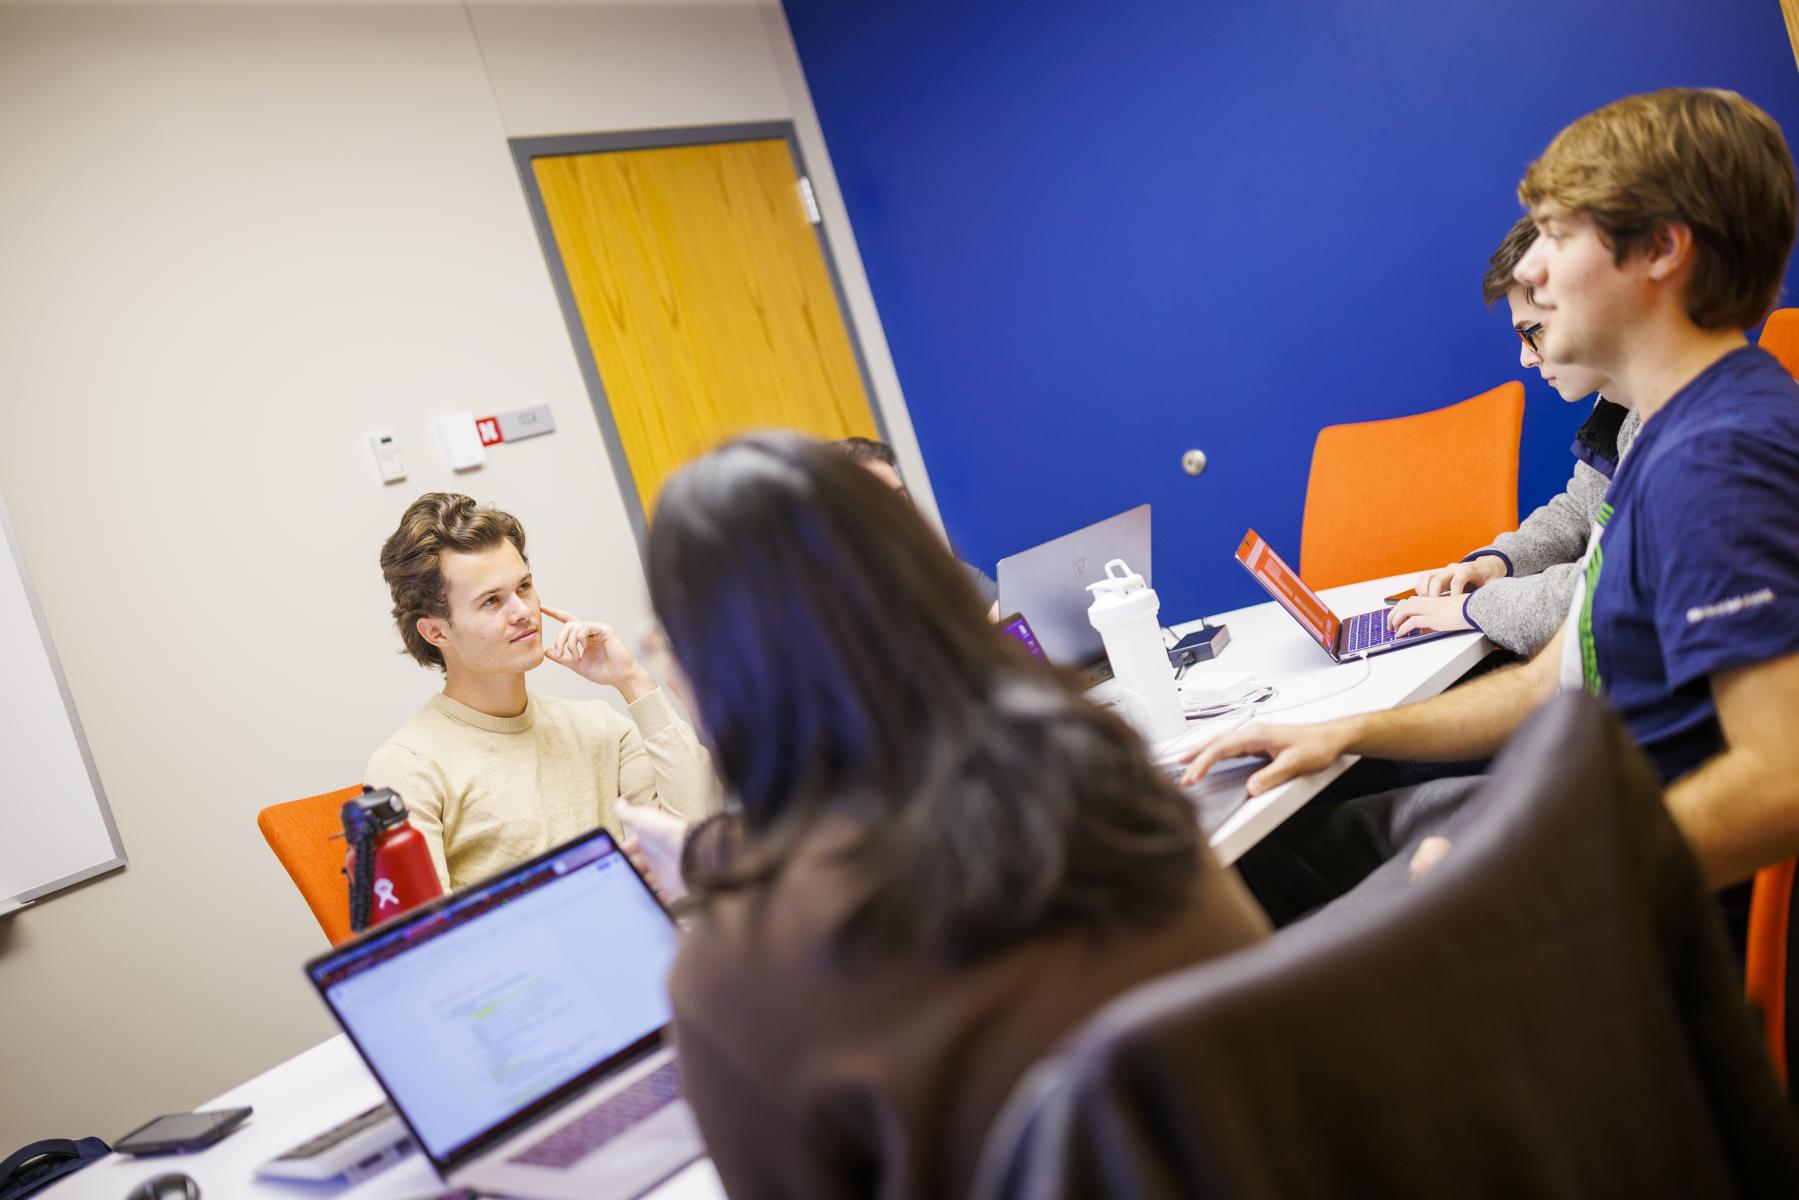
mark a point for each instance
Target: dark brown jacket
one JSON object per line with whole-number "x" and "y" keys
{"x": 814, "y": 1079}
{"x": 1551, "y": 1012}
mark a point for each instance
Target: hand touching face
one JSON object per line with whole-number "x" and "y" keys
{"x": 596, "y": 652}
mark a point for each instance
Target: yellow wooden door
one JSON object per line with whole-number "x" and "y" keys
{"x": 704, "y": 297}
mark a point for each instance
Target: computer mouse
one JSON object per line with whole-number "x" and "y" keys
{"x": 172, "y": 1186}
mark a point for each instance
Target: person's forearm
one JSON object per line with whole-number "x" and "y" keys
{"x": 1739, "y": 814}
{"x": 1740, "y": 809}
{"x": 1554, "y": 533}
{"x": 1523, "y": 613}
{"x": 1471, "y": 721}
{"x": 681, "y": 780}
{"x": 634, "y": 685}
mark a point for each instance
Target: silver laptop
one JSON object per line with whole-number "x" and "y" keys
{"x": 520, "y": 1028}
{"x": 1048, "y": 586}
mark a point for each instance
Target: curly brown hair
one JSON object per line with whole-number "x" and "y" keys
{"x": 411, "y": 559}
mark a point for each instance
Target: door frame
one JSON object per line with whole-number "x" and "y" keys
{"x": 526, "y": 149}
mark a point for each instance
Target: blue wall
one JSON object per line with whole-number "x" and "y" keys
{"x": 1101, "y": 233}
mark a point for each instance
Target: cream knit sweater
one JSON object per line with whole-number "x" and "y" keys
{"x": 489, "y": 792}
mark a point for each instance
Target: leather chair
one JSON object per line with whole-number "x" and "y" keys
{"x": 306, "y": 835}
{"x": 1463, "y": 458}
{"x": 1551, "y": 1011}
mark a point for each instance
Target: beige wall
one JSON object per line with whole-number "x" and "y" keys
{"x": 234, "y": 237}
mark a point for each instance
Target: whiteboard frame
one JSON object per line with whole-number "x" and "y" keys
{"x": 118, "y": 859}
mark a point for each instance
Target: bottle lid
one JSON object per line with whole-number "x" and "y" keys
{"x": 374, "y": 812}
{"x": 1119, "y": 580}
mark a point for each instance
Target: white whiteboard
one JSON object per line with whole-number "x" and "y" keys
{"x": 55, "y": 828}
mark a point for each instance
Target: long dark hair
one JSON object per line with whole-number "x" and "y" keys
{"x": 843, "y": 666}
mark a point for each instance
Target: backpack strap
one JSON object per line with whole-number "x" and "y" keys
{"x": 30, "y": 1168}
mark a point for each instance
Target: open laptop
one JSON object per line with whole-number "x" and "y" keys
{"x": 520, "y": 1028}
{"x": 1048, "y": 585}
{"x": 1343, "y": 639}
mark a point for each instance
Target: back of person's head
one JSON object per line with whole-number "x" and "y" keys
{"x": 1498, "y": 283}
{"x": 863, "y": 449}
{"x": 843, "y": 670}
{"x": 1704, "y": 158}
{"x": 436, "y": 524}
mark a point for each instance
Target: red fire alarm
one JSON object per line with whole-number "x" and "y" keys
{"x": 489, "y": 429}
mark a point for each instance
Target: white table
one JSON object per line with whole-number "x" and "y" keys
{"x": 327, "y": 1084}
{"x": 304, "y": 1096}
{"x": 1269, "y": 644}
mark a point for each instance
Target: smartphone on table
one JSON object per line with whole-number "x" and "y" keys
{"x": 179, "y": 1133}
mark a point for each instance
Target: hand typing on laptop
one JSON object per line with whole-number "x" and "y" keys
{"x": 1421, "y": 612}
{"x": 1442, "y": 599}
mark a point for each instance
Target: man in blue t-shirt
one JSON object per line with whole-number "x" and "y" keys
{"x": 1665, "y": 224}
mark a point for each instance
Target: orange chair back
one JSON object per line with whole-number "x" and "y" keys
{"x": 1765, "y": 964}
{"x": 300, "y": 833}
{"x": 1411, "y": 493}
{"x": 1780, "y": 337}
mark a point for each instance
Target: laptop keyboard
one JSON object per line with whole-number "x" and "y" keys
{"x": 605, "y": 1121}
{"x": 338, "y": 1134}
{"x": 1368, "y": 630}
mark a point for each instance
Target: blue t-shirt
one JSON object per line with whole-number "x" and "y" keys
{"x": 1696, "y": 567}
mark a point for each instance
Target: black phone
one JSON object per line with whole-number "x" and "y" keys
{"x": 1396, "y": 597}
{"x": 179, "y": 1133}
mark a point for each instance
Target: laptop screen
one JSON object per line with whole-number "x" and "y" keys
{"x": 1015, "y": 626}
{"x": 1287, "y": 587}
{"x": 478, "y": 1007}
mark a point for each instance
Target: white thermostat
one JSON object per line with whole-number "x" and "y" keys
{"x": 388, "y": 459}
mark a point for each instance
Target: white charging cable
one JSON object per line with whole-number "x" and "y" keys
{"x": 1301, "y": 702}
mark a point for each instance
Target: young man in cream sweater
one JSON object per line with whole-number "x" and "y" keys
{"x": 491, "y": 773}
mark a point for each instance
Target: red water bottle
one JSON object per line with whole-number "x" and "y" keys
{"x": 389, "y": 864}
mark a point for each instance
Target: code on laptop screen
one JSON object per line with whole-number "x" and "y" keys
{"x": 490, "y": 1004}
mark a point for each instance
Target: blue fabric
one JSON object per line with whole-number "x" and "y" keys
{"x": 1599, "y": 462}
{"x": 1696, "y": 568}
{"x": 1501, "y": 555}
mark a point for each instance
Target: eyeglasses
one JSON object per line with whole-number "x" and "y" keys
{"x": 1529, "y": 335}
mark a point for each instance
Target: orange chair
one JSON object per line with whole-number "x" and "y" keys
{"x": 1766, "y": 962}
{"x": 1411, "y": 493}
{"x": 1780, "y": 337}
{"x": 301, "y": 834}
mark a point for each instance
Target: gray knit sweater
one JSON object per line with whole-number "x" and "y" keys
{"x": 1522, "y": 611}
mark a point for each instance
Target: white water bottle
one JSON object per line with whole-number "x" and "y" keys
{"x": 1125, "y": 611}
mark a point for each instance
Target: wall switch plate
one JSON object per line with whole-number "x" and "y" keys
{"x": 522, "y": 423}
{"x": 388, "y": 459}
{"x": 461, "y": 441}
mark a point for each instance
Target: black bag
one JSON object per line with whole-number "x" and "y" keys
{"x": 24, "y": 1173}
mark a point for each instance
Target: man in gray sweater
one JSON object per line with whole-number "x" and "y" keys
{"x": 1516, "y": 591}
